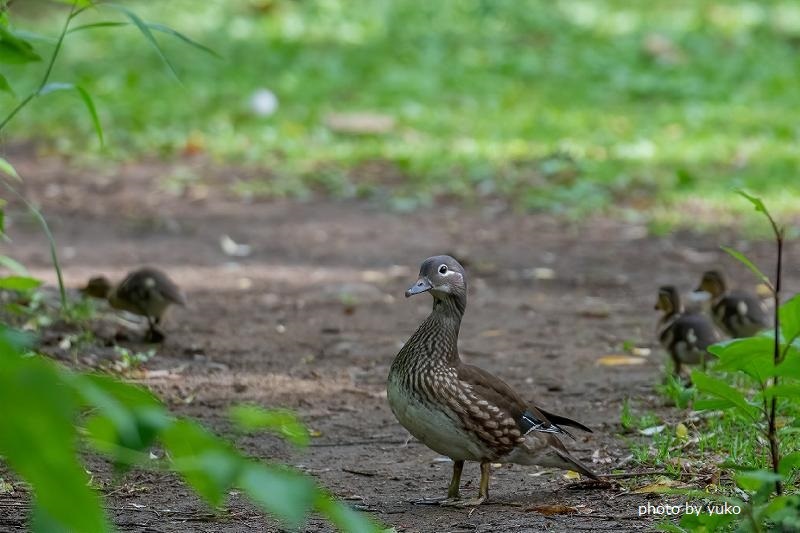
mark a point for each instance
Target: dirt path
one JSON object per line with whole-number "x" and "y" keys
{"x": 312, "y": 318}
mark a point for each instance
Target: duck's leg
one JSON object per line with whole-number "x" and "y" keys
{"x": 455, "y": 482}
{"x": 452, "y": 490}
{"x": 153, "y": 333}
{"x": 483, "y": 492}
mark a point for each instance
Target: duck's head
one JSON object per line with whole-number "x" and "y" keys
{"x": 97, "y": 287}
{"x": 669, "y": 300}
{"x": 712, "y": 282}
{"x": 442, "y": 276}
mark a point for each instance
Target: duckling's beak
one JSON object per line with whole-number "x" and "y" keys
{"x": 422, "y": 285}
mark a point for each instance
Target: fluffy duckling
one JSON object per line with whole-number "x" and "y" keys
{"x": 460, "y": 410}
{"x": 737, "y": 313}
{"x": 147, "y": 292}
{"x": 685, "y": 336}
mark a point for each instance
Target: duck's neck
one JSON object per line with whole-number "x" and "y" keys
{"x": 437, "y": 336}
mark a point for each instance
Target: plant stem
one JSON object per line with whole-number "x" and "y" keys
{"x": 46, "y": 228}
{"x": 772, "y": 430}
{"x": 48, "y": 70}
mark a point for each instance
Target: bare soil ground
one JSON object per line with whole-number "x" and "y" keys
{"x": 312, "y": 318}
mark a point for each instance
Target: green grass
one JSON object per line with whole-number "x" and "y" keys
{"x": 566, "y": 106}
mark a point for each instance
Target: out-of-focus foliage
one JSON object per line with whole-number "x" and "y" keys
{"x": 558, "y": 104}
{"x": 39, "y": 439}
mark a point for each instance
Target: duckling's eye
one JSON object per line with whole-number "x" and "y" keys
{"x": 443, "y": 269}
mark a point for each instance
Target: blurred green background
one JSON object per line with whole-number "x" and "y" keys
{"x": 655, "y": 109}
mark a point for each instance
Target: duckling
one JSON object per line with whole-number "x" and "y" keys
{"x": 685, "y": 336}
{"x": 739, "y": 314}
{"x": 460, "y": 410}
{"x": 147, "y": 292}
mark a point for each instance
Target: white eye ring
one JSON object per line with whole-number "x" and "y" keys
{"x": 442, "y": 269}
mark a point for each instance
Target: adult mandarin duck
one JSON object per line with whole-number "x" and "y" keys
{"x": 460, "y": 410}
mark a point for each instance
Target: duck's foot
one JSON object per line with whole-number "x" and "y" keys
{"x": 433, "y": 501}
{"x": 154, "y": 336}
{"x": 472, "y": 502}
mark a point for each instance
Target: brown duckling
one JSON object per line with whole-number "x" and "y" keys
{"x": 685, "y": 336}
{"x": 147, "y": 292}
{"x": 737, "y": 313}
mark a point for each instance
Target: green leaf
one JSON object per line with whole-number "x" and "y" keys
{"x": 13, "y": 266}
{"x": 96, "y": 25}
{"x": 39, "y": 443}
{"x": 279, "y": 491}
{"x": 4, "y": 86}
{"x": 251, "y": 417}
{"x": 153, "y": 26}
{"x": 782, "y": 390}
{"x": 14, "y": 49}
{"x": 789, "y": 315}
{"x": 721, "y": 390}
{"x": 790, "y": 366}
{"x": 87, "y": 100}
{"x": 7, "y": 168}
{"x": 789, "y": 463}
{"x": 755, "y": 479}
{"x": 206, "y": 462}
{"x": 135, "y": 414}
{"x": 752, "y": 355}
{"x": 757, "y": 202}
{"x": 78, "y": 3}
{"x": 19, "y": 283}
{"x": 169, "y": 31}
{"x": 344, "y": 517}
{"x": 143, "y": 27}
{"x": 749, "y": 264}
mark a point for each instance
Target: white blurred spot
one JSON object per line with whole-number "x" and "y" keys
{"x": 263, "y": 103}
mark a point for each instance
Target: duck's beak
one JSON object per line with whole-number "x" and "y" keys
{"x": 422, "y": 285}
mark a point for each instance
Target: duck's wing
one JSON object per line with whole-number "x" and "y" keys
{"x": 495, "y": 392}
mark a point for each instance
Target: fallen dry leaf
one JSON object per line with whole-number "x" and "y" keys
{"x": 360, "y": 123}
{"x": 620, "y": 360}
{"x": 550, "y": 510}
{"x": 663, "y": 484}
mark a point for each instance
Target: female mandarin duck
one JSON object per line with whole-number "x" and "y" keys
{"x": 459, "y": 410}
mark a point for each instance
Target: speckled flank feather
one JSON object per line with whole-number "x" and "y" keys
{"x": 462, "y": 411}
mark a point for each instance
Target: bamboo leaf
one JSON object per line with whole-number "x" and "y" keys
{"x": 8, "y": 168}
{"x": 169, "y": 31}
{"x": 14, "y": 49}
{"x": 96, "y": 25}
{"x": 87, "y": 100}
{"x": 19, "y": 283}
{"x": 739, "y": 256}
{"x": 4, "y": 85}
{"x": 153, "y": 26}
{"x": 145, "y": 30}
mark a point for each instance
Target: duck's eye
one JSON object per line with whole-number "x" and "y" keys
{"x": 443, "y": 269}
